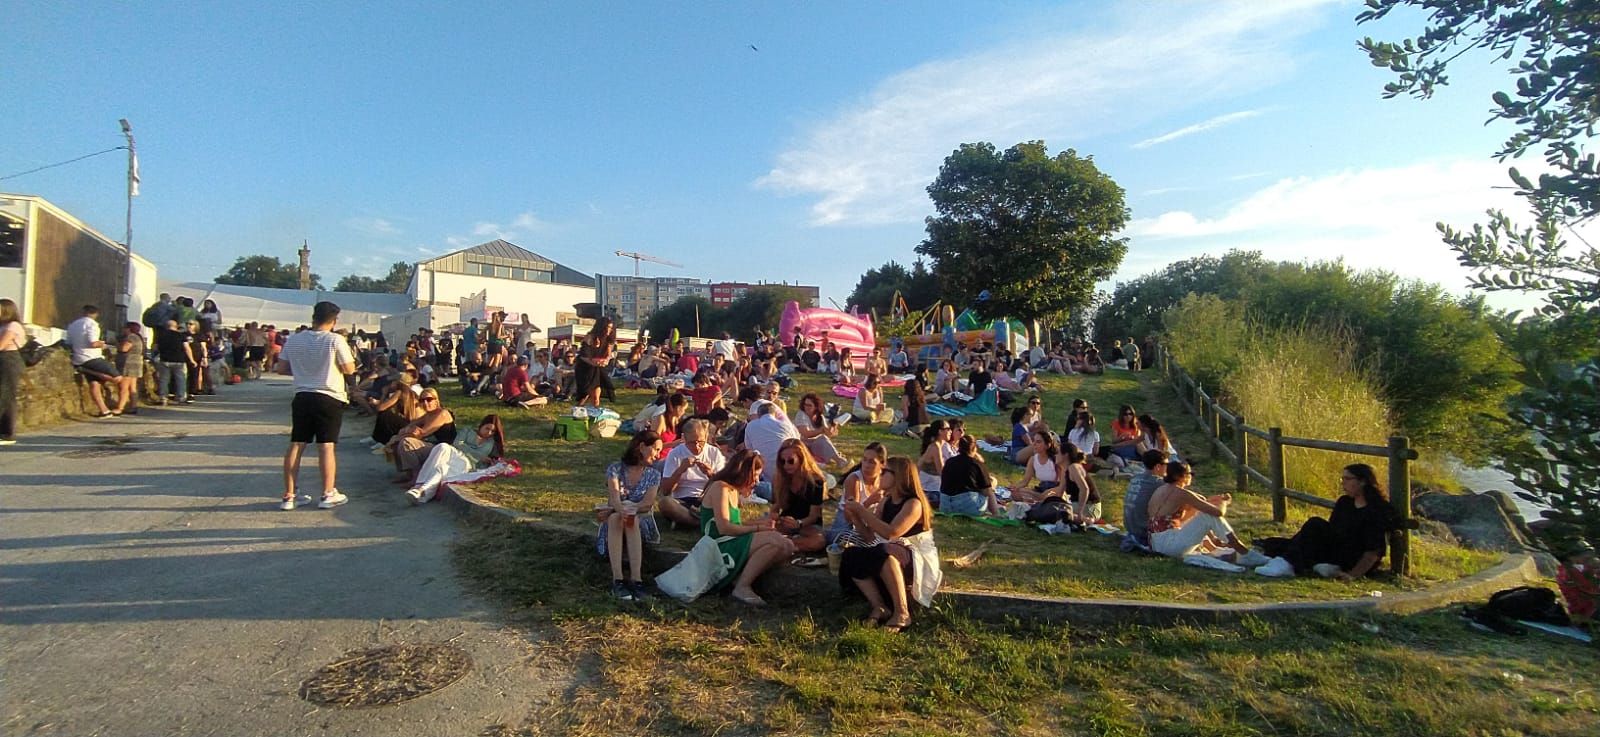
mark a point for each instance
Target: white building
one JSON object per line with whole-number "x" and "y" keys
{"x": 511, "y": 278}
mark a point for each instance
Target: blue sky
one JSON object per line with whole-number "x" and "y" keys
{"x": 393, "y": 131}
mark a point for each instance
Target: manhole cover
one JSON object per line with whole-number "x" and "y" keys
{"x": 113, "y": 450}
{"x": 386, "y": 675}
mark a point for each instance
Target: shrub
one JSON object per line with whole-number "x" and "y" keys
{"x": 1208, "y": 336}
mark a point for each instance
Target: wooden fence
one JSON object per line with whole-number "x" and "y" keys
{"x": 1228, "y": 432}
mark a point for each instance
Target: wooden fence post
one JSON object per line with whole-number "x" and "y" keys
{"x": 1400, "y": 497}
{"x": 1241, "y": 479}
{"x": 1275, "y": 473}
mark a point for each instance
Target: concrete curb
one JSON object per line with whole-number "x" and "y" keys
{"x": 810, "y": 586}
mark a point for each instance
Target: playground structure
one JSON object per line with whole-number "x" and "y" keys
{"x": 939, "y": 328}
{"x": 846, "y": 330}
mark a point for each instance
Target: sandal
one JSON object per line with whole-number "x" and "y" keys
{"x": 898, "y": 625}
{"x": 877, "y": 617}
{"x": 750, "y": 600}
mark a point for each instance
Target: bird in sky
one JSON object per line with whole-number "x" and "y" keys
{"x": 753, "y": 47}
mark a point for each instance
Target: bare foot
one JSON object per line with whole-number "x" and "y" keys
{"x": 748, "y": 596}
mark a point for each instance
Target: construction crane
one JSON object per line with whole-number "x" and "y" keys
{"x": 637, "y": 257}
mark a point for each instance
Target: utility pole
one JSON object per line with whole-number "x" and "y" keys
{"x": 124, "y": 296}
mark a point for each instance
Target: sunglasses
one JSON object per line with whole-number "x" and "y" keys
{"x": 789, "y": 460}
{"x": 429, "y": 399}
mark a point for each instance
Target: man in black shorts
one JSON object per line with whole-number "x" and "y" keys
{"x": 319, "y": 360}
{"x": 88, "y": 357}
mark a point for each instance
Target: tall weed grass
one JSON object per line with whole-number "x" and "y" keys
{"x": 1305, "y": 380}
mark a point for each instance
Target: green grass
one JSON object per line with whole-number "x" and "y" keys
{"x": 717, "y": 668}
{"x": 561, "y": 482}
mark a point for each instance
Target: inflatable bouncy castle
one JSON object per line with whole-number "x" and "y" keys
{"x": 819, "y": 323}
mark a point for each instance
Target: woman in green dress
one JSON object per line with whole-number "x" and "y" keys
{"x": 748, "y": 550}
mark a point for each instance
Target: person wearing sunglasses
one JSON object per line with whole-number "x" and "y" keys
{"x": 797, "y": 496}
{"x": 411, "y": 445}
{"x": 1125, "y": 436}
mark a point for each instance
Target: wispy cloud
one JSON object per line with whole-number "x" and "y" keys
{"x": 1372, "y": 218}
{"x": 372, "y": 226}
{"x": 1200, "y": 127}
{"x": 524, "y": 224}
{"x": 871, "y": 162}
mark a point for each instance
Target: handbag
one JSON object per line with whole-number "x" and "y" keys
{"x": 570, "y": 428}
{"x": 701, "y": 569}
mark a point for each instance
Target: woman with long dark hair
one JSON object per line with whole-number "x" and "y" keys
{"x": 12, "y": 338}
{"x": 797, "y": 496}
{"x": 626, "y": 523}
{"x": 752, "y": 548}
{"x": 1350, "y": 542}
{"x": 965, "y": 485}
{"x": 593, "y": 358}
{"x": 863, "y": 483}
{"x": 817, "y": 430}
{"x": 904, "y": 555}
{"x": 478, "y": 449}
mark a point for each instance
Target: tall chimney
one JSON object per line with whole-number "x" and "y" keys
{"x": 305, "y": 266}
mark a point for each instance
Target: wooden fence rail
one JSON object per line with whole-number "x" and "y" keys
{"x": 1227, "y": 432}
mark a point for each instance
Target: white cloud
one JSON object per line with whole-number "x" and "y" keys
{"x": 372, "y": 226}
{"x": 1200, "y": 127}
{"x": 527, "y": 221}
{"x": 1372, "y": 218}
{"x": 871, "y": 162}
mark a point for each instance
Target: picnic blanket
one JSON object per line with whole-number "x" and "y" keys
{"x": 846, "y": 390}
{"x": 503, "y": 468}
{"x": 988, "y": 404}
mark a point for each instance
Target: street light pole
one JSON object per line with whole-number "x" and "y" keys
{"x": 133, "y": 180}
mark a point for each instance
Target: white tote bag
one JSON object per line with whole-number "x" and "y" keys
{"x": 701, "y": 569}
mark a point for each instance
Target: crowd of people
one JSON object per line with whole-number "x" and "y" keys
{"x": 720, "y": 434}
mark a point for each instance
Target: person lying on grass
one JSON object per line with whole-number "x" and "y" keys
{"x": 687, "y": 469}
{"x": 477, "y": 449}
{"x": 966, "y": 487}
{"x": 863, "y": 483}
{"x": 1183, "y": 522}
{"x": 752, "y": 548}
{"x": 903, "y": 554}
{"x": 798, "y": 489}
{"x": 625, "y": 522}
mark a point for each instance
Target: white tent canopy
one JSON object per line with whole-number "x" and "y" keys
{"x": 289, "y": 308}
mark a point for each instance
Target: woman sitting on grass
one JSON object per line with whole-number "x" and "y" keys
{"x": 904, "y": 555}
{"x": 1125, "y": 437}
{"x": 412, "y": 444}
{"x": 625, "y": 522}
{"x": 1184, "y": 523}
{"x": 478, "y": 449}
{"x": 1080, "y": 490}
{"x": 396, "y": 408}
{"x": 847, "y": 368}
{"x": 1044, "y": 470}
{"x": 863, "y": 483}
{"x": 666, "y": 425}
{"x": 869, "y": 407}
{"x": 752, "y": 548}
{"x": 797, "y": 496}
{"x": 965, "y": 484}
{"x": 817, "y": 430}
{"x": 914, "y": 408}
{"x": 1152, "y": 436}
{"x": 936, "y": 449}
{"x": 1352, "y": 540}
{"x": 948, "y": 379}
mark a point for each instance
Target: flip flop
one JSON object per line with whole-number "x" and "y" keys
{"x": 751, "y": 600}
{"x": 808, "y": 562}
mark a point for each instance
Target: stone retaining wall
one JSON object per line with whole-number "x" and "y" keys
{"x": 51, "y": 393}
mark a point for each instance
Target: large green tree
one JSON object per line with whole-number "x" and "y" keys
{"x": 682, "y": 316}
{"x": 395, "y": 282}
{"x": 265, "y": 271}
{"x": 760, "y": 308}
{"x": 1021, "y": 233}
{"x": 1554, "y": 108}
{"x": 876, "y": 288}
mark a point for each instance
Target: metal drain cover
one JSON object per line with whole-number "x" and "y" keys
{"x": 386, "y": 675}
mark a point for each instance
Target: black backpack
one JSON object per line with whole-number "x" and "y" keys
{"x": 33, "y": 352}
{"x": 1530, "y": 604}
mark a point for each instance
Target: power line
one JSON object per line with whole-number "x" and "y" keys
{"x": 63, "y": 163}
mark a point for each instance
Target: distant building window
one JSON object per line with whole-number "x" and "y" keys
{"x": 13, "y": 237}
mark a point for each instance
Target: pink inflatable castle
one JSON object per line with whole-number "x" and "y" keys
{"x": 819, "y": 323}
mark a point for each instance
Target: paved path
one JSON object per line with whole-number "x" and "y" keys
{"x": 160, "y": 591}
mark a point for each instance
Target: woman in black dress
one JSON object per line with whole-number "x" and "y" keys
{"x": 593, "y": 358}
{"x": 1350, "y": 542}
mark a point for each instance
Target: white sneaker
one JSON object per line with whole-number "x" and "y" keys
{"x": 1276, "y": 568}
{"x": 332, "y": 499}
{"x": 1252, "y": 559}
{"x": 1327, "y": 570}
{"x": 415, "y": 495}
{"x": 8, "y": 442}
{"x": 287, "y": 505}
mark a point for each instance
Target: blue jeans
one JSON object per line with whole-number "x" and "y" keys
{"x": 172, "y": 377}
{"x": 971, "y": 503}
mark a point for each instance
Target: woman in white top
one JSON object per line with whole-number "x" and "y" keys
{"x": 869, "y": 406}
{"x": 862, "y": 484}
{"x": 1083, "y": 436}
{"x": 1044, "y": 471}
{"x": 947, "y": 380}
{"x": 816, "y": 430}
{"x": 936, "y": 449}
{"x": 12, "y": 338}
